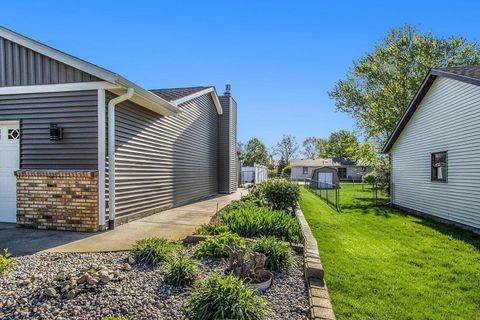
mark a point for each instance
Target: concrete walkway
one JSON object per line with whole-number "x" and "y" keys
{"x": 173, "y": 224}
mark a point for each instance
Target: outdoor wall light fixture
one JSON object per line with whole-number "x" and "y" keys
{"x": 56, "y": 133}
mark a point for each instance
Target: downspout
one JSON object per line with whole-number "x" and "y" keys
{"x": 111, "y": 154}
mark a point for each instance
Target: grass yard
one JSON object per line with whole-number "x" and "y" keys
{"x": 381, "y": 263}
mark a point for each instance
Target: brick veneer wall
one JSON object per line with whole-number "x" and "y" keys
{"x": 59, "y": 200}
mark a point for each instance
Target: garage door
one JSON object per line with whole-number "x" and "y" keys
{"x": 9, "y": 163}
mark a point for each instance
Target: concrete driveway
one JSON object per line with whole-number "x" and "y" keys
{"x": 21, "y": 241}
{"x": 174, "y": 224}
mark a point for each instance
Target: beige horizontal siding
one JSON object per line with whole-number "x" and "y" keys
{"x": 448, "y": 119}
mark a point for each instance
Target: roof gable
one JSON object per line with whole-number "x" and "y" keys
{"x": 142, "y": 97}
{"x": 468, "y": 74}
{"x": 21, "y": 66}
{"x": 181, "y": 95}
{"x": 172, "y": 94}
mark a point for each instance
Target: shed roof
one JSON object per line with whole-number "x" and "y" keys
{"x": 468, "y": 74}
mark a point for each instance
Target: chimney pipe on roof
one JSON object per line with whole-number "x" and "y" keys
{"x": 227, "y": 90}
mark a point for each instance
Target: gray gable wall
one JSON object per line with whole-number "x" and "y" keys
{"x": 20, "y": 66}
{"x": 164, "y": 161}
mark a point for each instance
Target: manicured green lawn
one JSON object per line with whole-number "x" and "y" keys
{"x": 381, "y": 263}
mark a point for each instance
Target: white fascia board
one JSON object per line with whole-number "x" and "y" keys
{"x": 62, "y": 87}
{"x": 210, "y": 90}
{"x": 145, "y": 96}
{"x": 149, "y": 99}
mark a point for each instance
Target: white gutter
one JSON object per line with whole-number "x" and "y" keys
{"x": 111, "y": 154}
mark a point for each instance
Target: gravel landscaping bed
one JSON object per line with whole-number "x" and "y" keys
{"x": 140, "y": 292}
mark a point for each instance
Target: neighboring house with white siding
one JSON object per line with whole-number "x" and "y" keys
{"x": 435, "y": 149}
{"x": 347, "y": 170}
{"x": 83, "y": 148}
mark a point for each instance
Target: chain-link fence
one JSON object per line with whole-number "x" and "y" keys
{"x": 326, "y": 191}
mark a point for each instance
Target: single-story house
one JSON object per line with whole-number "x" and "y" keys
{"x": 347, "y": 170}
{"x": 70, "y": 130}
{"x": 324, "y": 178}
{"x": 435, "y": 149}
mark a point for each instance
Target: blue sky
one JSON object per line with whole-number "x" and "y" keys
{"x": 281, "y": 57}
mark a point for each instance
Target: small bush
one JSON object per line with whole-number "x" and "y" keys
{"x": 253, "y": 199}
{"x": 214, "y": 247}
{"x": 281, "y": 194}
{"x": 238, "y": 204}
{"x": 6, "y": 261}
{"x": 153, "y": 251}
{"x": 180, "y": 271}
{"x": 371, "y": 178}
{"x": 224, "y": 298}
{"x": 212, "y": 229}
{"x": 279, "y": 256}
{"x": 254, "y": 222}
{"x": 287, "y": 171}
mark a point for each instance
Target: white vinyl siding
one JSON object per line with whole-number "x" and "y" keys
{"x": 447, "y": 119}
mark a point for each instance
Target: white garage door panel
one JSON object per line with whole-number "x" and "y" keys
{"x": 9, "y": 163}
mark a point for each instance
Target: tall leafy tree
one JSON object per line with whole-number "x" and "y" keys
{"x": 379, "y": 86}
{"x": 255, "y": 152}
{"x": 341, "y": 144}
{"x": 313, "y": 147}
{"x": 287, "y": 148}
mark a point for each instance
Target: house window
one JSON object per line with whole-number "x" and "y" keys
{"x": 364, "y": 169}
{"x": 13, "y": 134}
{"x": 342, "y": 173}
{"x": 439, "y": 166}
{"x": 305, "y": 170}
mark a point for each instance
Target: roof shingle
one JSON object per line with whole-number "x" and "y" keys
{"x": 173, "y": 94}
{"x": 466, "y": 71}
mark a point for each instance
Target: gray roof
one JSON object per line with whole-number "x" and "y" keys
{"x": 331, "y": 162}
{"x": 466, "y": 71}
{"x": 173, "y": 94}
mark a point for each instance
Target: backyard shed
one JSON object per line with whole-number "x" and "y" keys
{"x": 435, "y": 148}
{"x": 83, "y": 148}
{"x": 324, "y": 178}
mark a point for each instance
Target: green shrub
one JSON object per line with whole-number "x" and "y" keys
{"x": 253, "y": 200}
{"x": 153, "y": 251}
{"x": 180, "y": 271}
{"x": 212, "y": 229}
{"x": 281, "y": 194}
{"x": 371, "y": 178}
{"x": 238, "y": 204}
{"x": 214, "y": 247}
{"x": 254, "y": 222}
{"x": 6, "y": 261}
{"x": 287, "y": 171}
{"x": 224, "y": 298}
{"x": 279, "y": 255}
